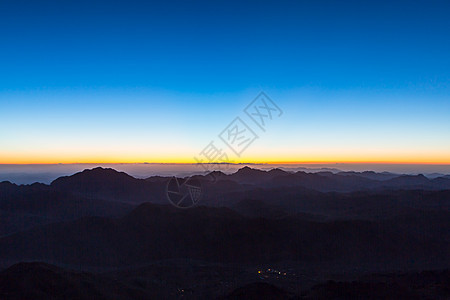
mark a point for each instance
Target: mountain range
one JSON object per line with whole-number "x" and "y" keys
{"x": 318, "y": 226}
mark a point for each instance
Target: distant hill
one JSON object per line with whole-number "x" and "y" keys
{"x": 370, "y": 175}
{"x": 335, "y": 182}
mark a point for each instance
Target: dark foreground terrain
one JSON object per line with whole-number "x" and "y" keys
{"x": 44, "y": 281}
{"x": 103, "y": 234}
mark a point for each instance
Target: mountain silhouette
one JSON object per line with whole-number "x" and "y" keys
{"x": 109, "y": 184}
{"x": 25, "y": 206}
{"x": 308, "y": 224}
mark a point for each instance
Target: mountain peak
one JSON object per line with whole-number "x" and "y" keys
{"x": 418, "y": 176}
{"x": 245, "y": 168}
{"x": 92, "y": 176}
{"x": 277, "y": 171}
{"x": 248, "y": 170}
{"x": 8, "y": 186}
{"x": 217, "y": 173}
{"x": 101, "y": 170}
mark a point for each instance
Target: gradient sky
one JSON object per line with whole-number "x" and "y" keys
{"x": 128, "y": 81}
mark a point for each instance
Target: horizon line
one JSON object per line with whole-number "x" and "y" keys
{"x": 244, "y": 163}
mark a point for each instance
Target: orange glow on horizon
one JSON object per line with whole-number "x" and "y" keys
{"x": 187, "y": 161}
{"x": 129, "y": 157}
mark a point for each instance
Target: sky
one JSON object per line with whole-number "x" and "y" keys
{"x": 132, "y": 82}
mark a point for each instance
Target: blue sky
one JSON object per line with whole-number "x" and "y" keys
{"x": 108, "y": 80}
